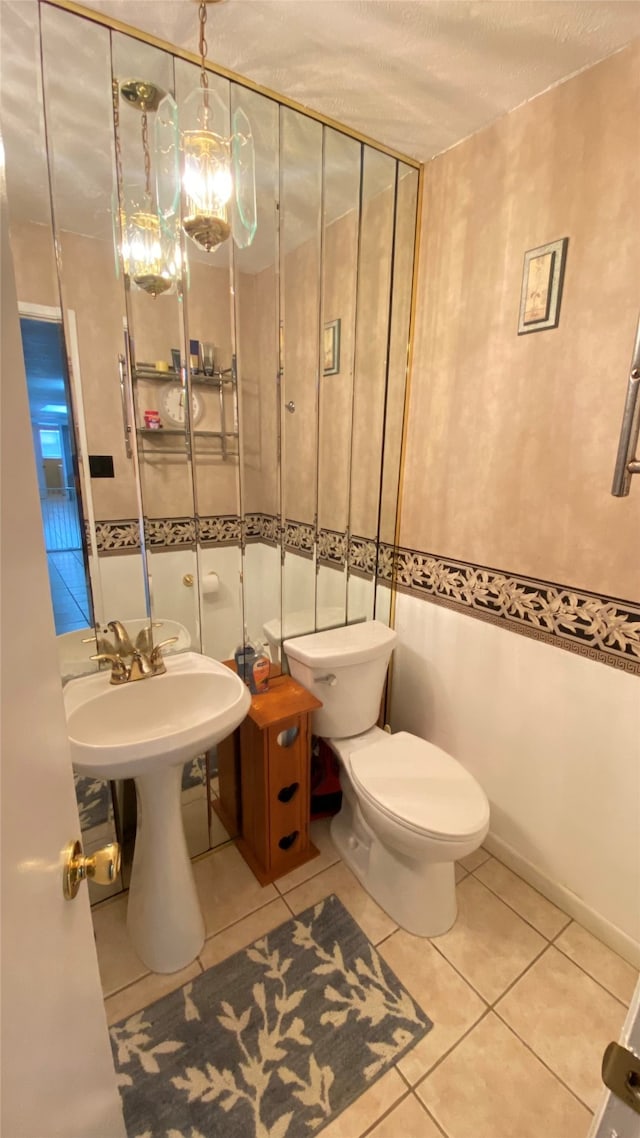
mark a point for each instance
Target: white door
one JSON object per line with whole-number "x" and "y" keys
{"x": 57, "y": 1071}
{"x": 616, "y": 1119}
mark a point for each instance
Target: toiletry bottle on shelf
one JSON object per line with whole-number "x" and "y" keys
{"x": 244, "y": 657}
{"x": 259, "y": 682}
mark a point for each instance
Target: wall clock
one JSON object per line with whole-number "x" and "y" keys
{"x": 172, "y": 404}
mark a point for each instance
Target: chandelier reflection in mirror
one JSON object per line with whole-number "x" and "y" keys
{"x": 205, "y": 172}
{"x": 149, "y": 251}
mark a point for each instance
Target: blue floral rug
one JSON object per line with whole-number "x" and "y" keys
{"x": 94, "y": 801}
{"x": 273, "y": 1042}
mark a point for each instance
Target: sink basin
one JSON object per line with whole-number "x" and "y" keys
{"x": 147, "y": 730}
{"x": 129, "y": 730}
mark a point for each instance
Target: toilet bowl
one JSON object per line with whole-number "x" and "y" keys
{"x": 409, "y": 809}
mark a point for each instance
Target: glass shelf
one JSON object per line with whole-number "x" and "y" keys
{"x": 171, "y": 433}
{"x": 142, "y": 371}
{"x": 177, "y": 431}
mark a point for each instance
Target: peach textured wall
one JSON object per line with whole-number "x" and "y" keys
{"x": 512, "y": 439}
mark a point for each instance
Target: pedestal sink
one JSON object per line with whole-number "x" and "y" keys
{"x": 147, "y": 730}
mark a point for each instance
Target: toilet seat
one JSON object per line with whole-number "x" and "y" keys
{"x": 419, "y": 787}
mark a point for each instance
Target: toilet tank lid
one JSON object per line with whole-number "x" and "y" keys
{"x": 350, "y": 644}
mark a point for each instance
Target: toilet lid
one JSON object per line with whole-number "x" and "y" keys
{"x": 420, "y": 786}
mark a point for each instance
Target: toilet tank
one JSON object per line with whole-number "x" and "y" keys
{"x": 345, "y": 668}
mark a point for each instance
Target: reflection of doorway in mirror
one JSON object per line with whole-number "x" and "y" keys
{"x": 54, "y": 447}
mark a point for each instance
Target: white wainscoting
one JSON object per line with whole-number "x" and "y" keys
{"x": 554, "y": 739}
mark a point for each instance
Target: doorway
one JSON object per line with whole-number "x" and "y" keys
{"x": 56, "y": 466}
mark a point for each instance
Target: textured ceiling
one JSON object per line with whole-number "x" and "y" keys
{"x": 418, "y": 75}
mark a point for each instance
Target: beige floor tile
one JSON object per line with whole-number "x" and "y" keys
{"x": 566, "y": 1018}
{"x": 339, "y": 880}
{"x": 530, "y": 904}
{"x": 460, "y": 872}
{"x": 488, "y": 944}
{"x": 321, "y": 838}
{"x": 243, "y": 933}
{"x": 491, "y": 1086}
{"x": 137, "y": 996}
{"x": 452, "y": 1005}
{"x": 609, "y": 969}
{"x": 473, "y": 860}
{"x": 227, "y": 889}
{"x": 407, "y": 1120}
{"x": 119, "y": 964}
{"x": 362, "y": 1113}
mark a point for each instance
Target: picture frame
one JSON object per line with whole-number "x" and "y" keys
{"x": 542, "y": 281}
{"x": 331, "y": 347}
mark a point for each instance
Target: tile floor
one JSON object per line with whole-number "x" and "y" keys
{"x": 523, "y": 999}
{"x": 69, "y": 592}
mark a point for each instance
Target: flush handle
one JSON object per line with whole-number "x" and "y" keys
{"x": 329, "y": 679}
{"x": 102, "y": 867}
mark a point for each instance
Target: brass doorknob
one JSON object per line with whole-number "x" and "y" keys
{"x": 102, "y": 867}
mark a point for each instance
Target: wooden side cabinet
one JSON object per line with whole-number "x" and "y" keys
{"x": 274, "y": 780}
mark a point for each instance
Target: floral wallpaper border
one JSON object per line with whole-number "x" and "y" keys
{"x": 332, "y": 547}
{"x": 219, "y": 529}
{"x": 168, "y": 533}
{"x": 598, "y": 627}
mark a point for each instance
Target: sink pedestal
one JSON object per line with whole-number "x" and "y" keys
{"x": 148, "y": 730}
{"x": 163, "y": 916}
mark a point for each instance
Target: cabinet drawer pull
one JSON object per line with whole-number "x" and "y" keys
{"x": 288, "y": 840}
{"x": 288, "y": 737}
{"x": 287, "y": 792}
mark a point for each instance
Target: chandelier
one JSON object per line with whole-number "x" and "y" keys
{"x": 205, "y": 171}
{"x": 150, "y": 257}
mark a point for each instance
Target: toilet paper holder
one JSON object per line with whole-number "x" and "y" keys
{"x": 210, "y": 582}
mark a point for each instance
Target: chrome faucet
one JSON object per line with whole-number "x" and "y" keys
{"x": 145, "y": 659}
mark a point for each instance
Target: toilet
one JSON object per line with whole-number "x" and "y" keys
{"x": 409, "y": 810}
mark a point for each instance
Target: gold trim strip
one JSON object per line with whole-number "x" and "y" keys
{"x": 405, "y": 415}
{"x": 217, "y": 69}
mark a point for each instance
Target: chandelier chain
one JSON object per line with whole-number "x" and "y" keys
{"x": 115, "y": 94}
{"x": 203, "y": 46}
{"x": 147, "y": 153}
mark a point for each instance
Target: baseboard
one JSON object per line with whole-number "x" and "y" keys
{"x": 601, "y": 928}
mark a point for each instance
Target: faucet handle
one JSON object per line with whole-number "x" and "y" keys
{"x": 119, "y": 673}
{"x": 163, "y": 643}
{"x": 156, "y": 659}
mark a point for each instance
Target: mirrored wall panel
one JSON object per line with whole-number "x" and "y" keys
{"x": 216, "y": 357}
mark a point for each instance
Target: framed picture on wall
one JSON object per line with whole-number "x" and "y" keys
{"x": 331, "y": 347}
{"x": 542, "y": 281}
